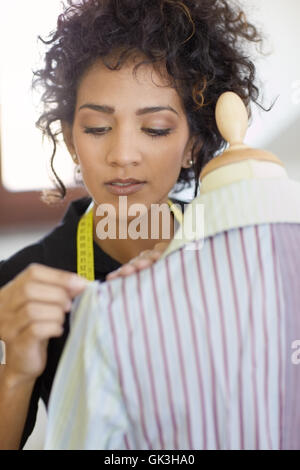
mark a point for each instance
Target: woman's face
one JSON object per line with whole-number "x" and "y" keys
{"x": 126, "y": 127}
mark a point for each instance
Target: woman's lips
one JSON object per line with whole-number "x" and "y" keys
{"x": 124, "y": 190}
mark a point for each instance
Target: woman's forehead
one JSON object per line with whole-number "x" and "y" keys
{"x": 144, "y": 74}
{"x": 100, "y": 81}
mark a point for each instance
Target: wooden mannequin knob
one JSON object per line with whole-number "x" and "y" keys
{"x": 232, "y": 118}
{"x": 232, "y": 122}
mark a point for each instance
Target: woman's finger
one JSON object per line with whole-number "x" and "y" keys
{"x": 124, "y": 270}
{"x": 129, "y": 269}
{"x": 144, "y": 260}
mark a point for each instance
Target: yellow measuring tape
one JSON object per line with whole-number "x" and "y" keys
{"x": 85, "y": 247}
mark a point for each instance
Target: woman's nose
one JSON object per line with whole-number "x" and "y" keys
{"x": 123, "y": 150}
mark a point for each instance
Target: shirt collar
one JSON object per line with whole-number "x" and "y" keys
{"x": 256, "y": 193}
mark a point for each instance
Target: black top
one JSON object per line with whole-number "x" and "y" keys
{"x": 58, "y": 250}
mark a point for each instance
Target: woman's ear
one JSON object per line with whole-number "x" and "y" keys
{"x": 68, "y": 138}
{"x": 188, "y": 162}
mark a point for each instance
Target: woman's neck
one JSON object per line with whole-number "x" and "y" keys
{"x": 124, "y": 248}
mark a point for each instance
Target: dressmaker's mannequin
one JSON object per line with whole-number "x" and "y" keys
{"x": 252, "y": 170}
{"x": 198, "y": 351}
{"x": 232, "y": 122}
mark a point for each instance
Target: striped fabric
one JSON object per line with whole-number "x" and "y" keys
{"x": 202, "y": 356}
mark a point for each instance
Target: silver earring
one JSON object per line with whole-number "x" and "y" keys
{"x": 191, "y": 162}
{"x": 77, "y": 174}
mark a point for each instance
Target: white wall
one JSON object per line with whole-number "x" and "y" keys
{"x": 280, "y": 70}
{"x": 277, "y": 130}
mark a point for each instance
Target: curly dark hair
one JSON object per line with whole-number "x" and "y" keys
{"x": 203, "y": 45}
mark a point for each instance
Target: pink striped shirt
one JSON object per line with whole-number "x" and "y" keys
{"x": 200, "y": 351}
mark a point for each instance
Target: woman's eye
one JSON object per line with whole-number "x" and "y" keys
{"x": 158, "y": 132}
{"x": 95, "y": 130}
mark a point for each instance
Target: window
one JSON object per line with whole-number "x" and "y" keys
{"x": 25, "y": 159}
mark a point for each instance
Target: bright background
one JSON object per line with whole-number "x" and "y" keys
{"x": 22, "y": 146}
{"x": 276, "y": 131}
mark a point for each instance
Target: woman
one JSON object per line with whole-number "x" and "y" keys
{"x": 133, "y": 86}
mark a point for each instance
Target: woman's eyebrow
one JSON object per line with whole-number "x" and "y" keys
{"x": 139, "y": 112}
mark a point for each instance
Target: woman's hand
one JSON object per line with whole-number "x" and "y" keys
{"x": 143, "y": 260}
{"x": 32, "y": 310}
